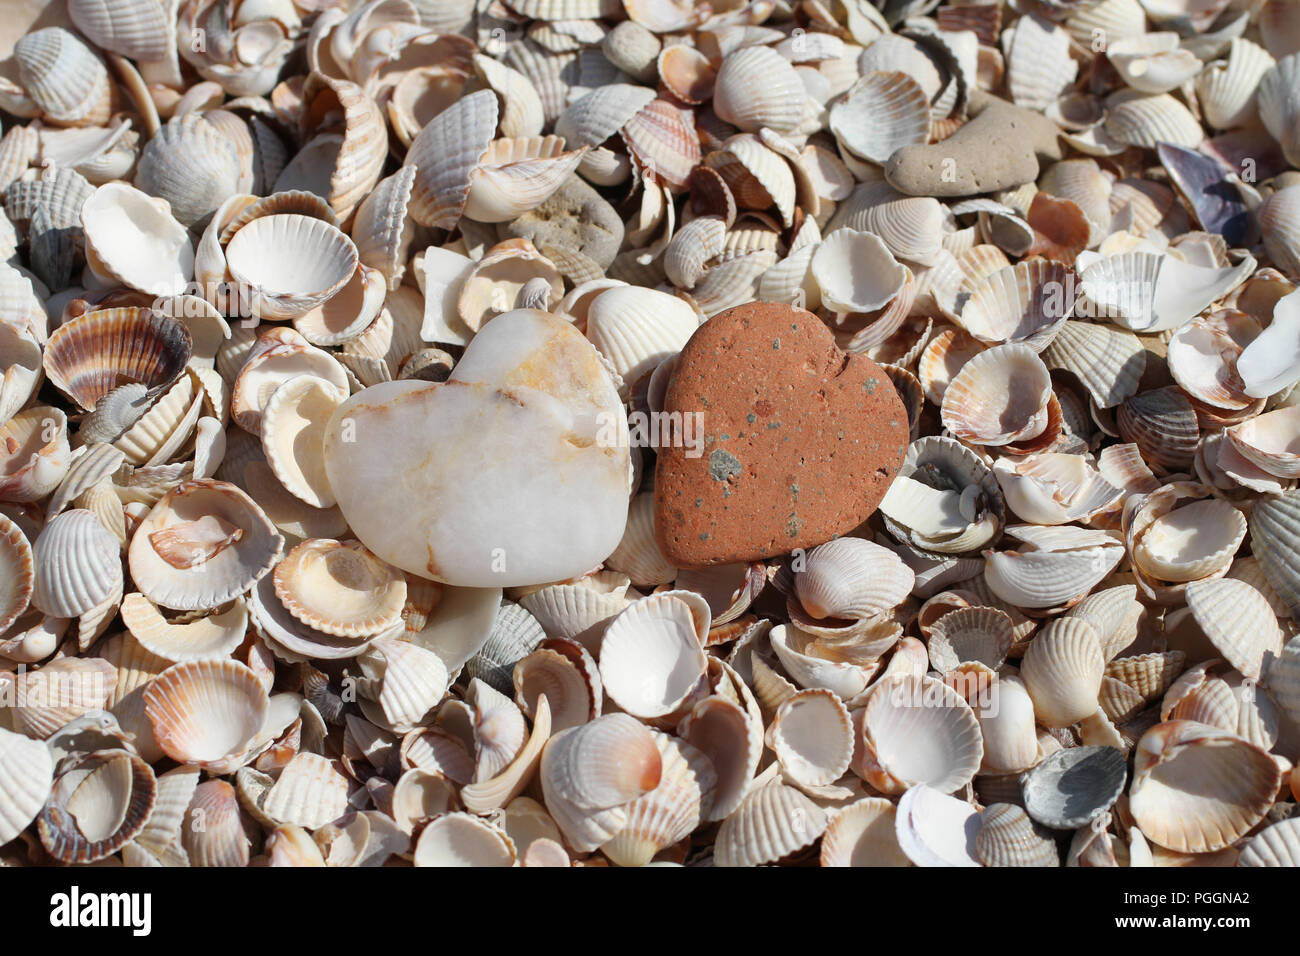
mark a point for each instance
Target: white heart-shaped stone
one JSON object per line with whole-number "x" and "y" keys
{"x": 514, "y": 471}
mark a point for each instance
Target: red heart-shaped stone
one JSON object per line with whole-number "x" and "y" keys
{"x": 800, "y": 439}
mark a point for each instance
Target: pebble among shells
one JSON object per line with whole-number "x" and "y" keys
{"x": 333, "y": 355}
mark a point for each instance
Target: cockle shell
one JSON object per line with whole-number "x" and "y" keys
{"x": 207, "y": 712}
{"x": 1196, "y": 788}
{"x": 935, "y": 829}
{"x": 1000, "y": 396}
{"x": 919, "y": 731}
{"x": 1062, "y": 670}
{"x": 99, "y": 802}
{"x": 772, "y": 822}
{"x": 757, "y": 87}
{"x": 133, "y": 239}
{"x": 862, "y": 834}
{"x": 27, "y": 771}
{"x": 651, "y": 658}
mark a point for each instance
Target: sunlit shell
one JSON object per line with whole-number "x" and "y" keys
{"x": 590, "y": 773}
{"x": 1189, "y": 542}
{"x": 340, "y": 588}
{"x": 462, "y": 839}
{"x": 772, "y": 822}
{"x": 862, "y": 834}
{"x": 919, "y": 731}
{"x": 851, "y": 578}
{"x": 668, "y": 813}
{"x": 1008, "y": 837}
{"x": 1139, "y": 119}
{"x": 935, "y": 829}
{"x": 99, "y": 802}
{"x": 1000, "y": 396}
{"x": 1276, "y": 100}
{"x": 133, "y": 239}
{"x": 1197, "y": 789}
{"x": 201, "y": 545}
{"x": 881, "y": 113}
{"x": 207, "y": 712}
{"x": 731, "y": 736}
{"x": 293, "y": 426}
{"x": 1028, "y": 303}
{"x": 290, "y": 263}
{"x": 212, "y": 637}
{"x": 1062, "y": 671}
{"x": 757, "y": 87}
{"x": 855, "y": 272}
{"x": 812, "y": 737}
{"x": 651, "y": 658}
{"x": 1238, "y": 621}
{"x": 1276, "y": 845}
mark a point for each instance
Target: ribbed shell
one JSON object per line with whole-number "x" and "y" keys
{"x": 26, "y": 776}
{"x": 1008, "y": 837}
{"x": 757, "y": 87}
{"x": 109, "y": 792}
{"x": 446, "y": 153}
{"x": 1073, "y": 786}
{"x": 1109, "y": 362}
{"x": 93, "y": 354}
{"x": 1274, "y": 531}
{"x": 1062, "y": 669}
{"x": 78, "y": 565}
{"x": 772, "y": 822}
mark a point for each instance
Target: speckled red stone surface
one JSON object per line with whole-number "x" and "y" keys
{"x": 801, "y": 440}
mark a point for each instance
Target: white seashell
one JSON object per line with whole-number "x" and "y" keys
{"x": 207, "y": 713}
{"x": 208, "y": 638}
{"x": 590, "y": 773}
{"x": 277, "y": 355}
{"x": 1276, "y": 100}
{"x": 934, "y": 829}
{"x": 27, "y": 771}
{"x": 757, "y": 87}
{"x": 1008, "y": 729}
{"x": 1029, "y": 302}
{"x": 731, "y": 736}
{"x": 229, "y": 538}
{"x": 1108, "y": 361}
{"x": 1238, "y": 621}
{"x": 863, "y": 834}
{"x": 77, "y": 565}
{"x": 669, "y": 812}
{"x": 845, "y": 678}
{"x": 881, "y": 113}
{"x": 850, "y": 578}
{"x": 516, "y": 175}
{"x": 771, "y": 823}
{"x": 293, "y": 435}
{"x": 1197, "y": 789}
{"x": 340, "y": 588}
{"x": 651, "y": 658}
{"x": 64, "y": 78}
{"x": 1227, "y": 88}
{"x": 34, "y": 453}
{"x": 1053, "y": 569}
{"x": 636, "y": 328}
{"x": 1271, "y": 362}
{"x": 291, "y": 263}
{"x": 192, "y": 165}
{"x": 1039, "y": 65}
{"x": 812, "y": 737}
{"x": 1275, "y": 845}
{"x": 1000, "y": 396}
{"x": 461, "y": 839}
{"x": 1008, "y": 837}
{"x": 1052, "y": 488}
{"x": 1062, "y": 670}
{"x": 917, "y": 730}
{"x": 1153, "y": 62}
{"x": 442, "y": 179}
{"x": 133, "y": 239}
{"x": 855, "y": 272}
{"x": 1140, "y": 119}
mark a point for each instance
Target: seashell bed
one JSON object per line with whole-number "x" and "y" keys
{"x": 328, "y": 329}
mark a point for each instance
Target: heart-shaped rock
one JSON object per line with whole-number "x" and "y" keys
{"x": 801, "y": 440}
{"x": 514, "y": 471}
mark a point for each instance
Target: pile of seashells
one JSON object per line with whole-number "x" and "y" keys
{"x": 1068, "y": 229}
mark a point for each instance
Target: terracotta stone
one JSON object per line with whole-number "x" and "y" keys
{"x": 801, "y": 440}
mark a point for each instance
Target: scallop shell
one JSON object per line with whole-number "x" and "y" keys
{"x": 98, "y": 804}
{"x": 590, "y": 773}
{"x": 1187, "y": 543}
{"x": 1238, "y": 621}
{"x": 945, "y": 499}
{"x": 309, "y": 792}
{"x": 1275, "y": 845}
{"x": 208, "y": 525}
{"x": 462, "y": 839}
{"x": 812, "y": 737}
{"x": 1039, "y": 65}
{"x": 77, "y": 565}
{"x": 1029, "y": 302}
{"x": 1273, "y": 522}
{"x": 1109, "y": 362}
{"x": 1276, "y": 99}
{"x": 517, "y": 175}
{"x": 636, "y": 328}
{"x": 1072, "y": 787}
{"x": 935, "y": 829}
{"x": 772, "y": 822}
{"x": 1062, "y": 670}
{"x": 208, "y": 638}
{"x": 919, "y": 731}
{"x": 669, "y": 812}
{"x": 875, "y": 279}
{"x": 850, "y": 578}
{"x": 1197, "y": 789}
{"x": 651, "y": 658}
{"x": 133, "y": 239}
{"x": 319, "y": 257}
{"x": 207, "y": 712}
{"x": 515, "y": 635}
{"x": 213, "y": 832}
{"x": 1000, "y": 396}
{"x": 27, "y": 771}
{"x": 192, "y": 165}
{"x": 1163, "y": 424}
{"x": 64, "y": 78}
{"x": 981, "y": 634}
{"x": 881, "y": 113}
{"x": 91, "y": 355}
{"x": 756, "y": 87}
{"x": 1139, "y": 119}
{"x": 1008, "y": 837}
{"x": 731, "y": 736}
{"x": 34, "y": 453}
{"x": 862, "y": 834}
{"x": 442, "y": 180}
{"x": 572, "y": 685}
